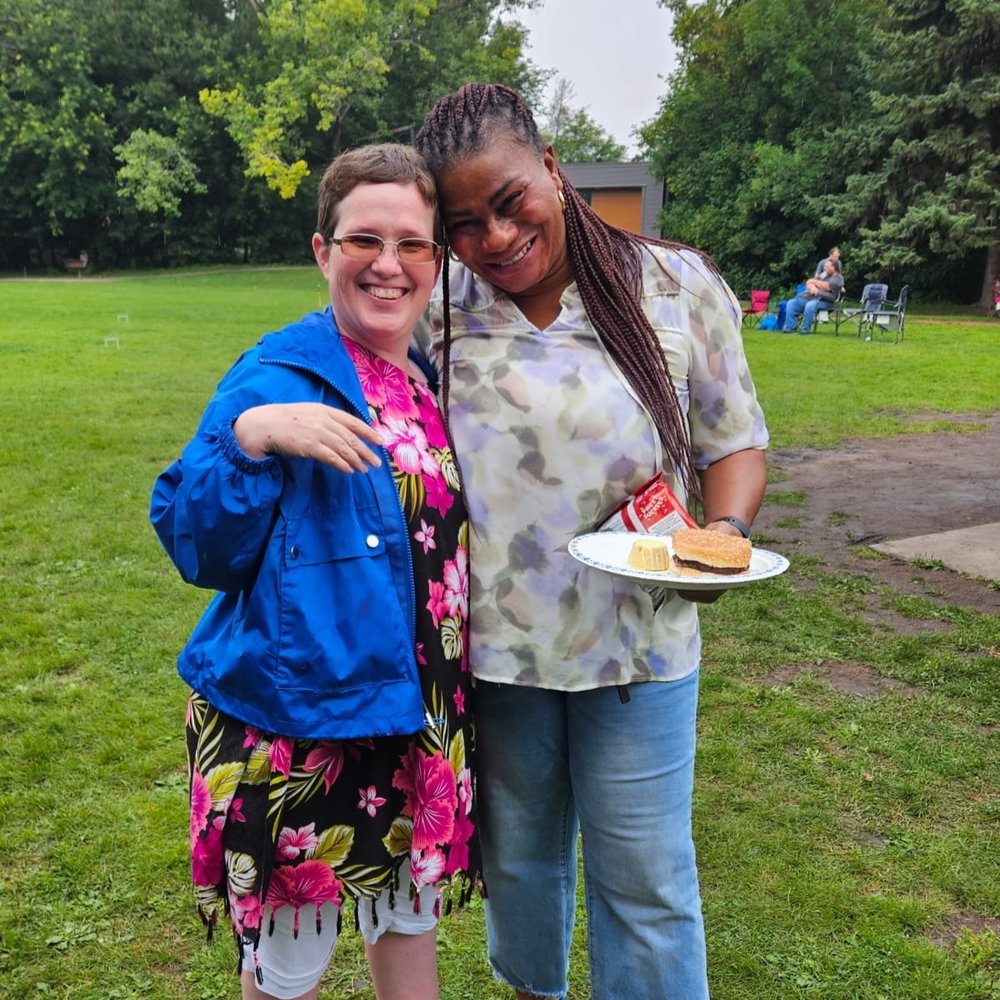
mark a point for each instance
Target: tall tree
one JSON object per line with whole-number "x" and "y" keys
{"x": 54, "y": 133}
{"x": 75, "y": 88}
{"x": 323, "y": 69}
{"x": 461, "y": 41}
{"x": 575, "y": 136}
{"x": 744, "y": 137}
{"x": 926, "y": 185}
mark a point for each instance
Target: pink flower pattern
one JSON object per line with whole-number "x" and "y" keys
{"x": 430, "y": 419}
{"x": 207, "y": 860}
{"x": 340, "y": 799}
{"x": 425, "y": 536}
{"x": 281, "y": 755}
{"x": 431, "y": 796}
{"x": 312, "y": 882}
{"x": 426, "y": 867}
{"x": 292, "y": 843}
{"x": 370, "y": 800}
{"x": 407, "y": 443}
{"x": 247, "y": 910}
{"x": 201, "y": 806}
{"x": 456, "y": 581}
{"x": 439, "y": 495}
{"x": 437, "y": 605}
{"x": 328, "y": 757}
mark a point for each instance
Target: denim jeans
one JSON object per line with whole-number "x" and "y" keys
{"x": 806, "y": 308}
{"x": 555, "y": 763}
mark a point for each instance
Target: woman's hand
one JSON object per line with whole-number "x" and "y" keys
{"x": 308, "y": 430}
{"x": 734, "y": 487}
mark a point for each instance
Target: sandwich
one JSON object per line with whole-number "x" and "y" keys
{"x": 710, "y": 551}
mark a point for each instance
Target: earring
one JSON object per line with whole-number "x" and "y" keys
{"x": 562, "y": 198}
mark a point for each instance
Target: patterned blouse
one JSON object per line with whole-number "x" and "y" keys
{"x": 550, "y": 439}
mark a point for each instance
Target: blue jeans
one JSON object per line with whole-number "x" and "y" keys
{"x": 806, "y": 308}
{"x": 555, "y": 763}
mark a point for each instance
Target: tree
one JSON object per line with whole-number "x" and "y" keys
{"x": 105, "y": 145}
{"x": 744, "y": 137}
{"x": 574, "y": 135}
{"x": 461, "y": 40}
{"x": 324, "y": 68}
{"x": 155, "y": 173}
{"x": 925, "y": 188}
{"x": 54, "y": 132}
{"x": 75, "y": 88}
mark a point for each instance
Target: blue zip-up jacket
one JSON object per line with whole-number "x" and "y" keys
{"x": 312, "y": 633}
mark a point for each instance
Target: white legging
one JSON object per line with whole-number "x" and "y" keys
{"x": 293, "y": 965}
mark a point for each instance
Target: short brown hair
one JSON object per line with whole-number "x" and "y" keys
{"x": 380, "y": 163}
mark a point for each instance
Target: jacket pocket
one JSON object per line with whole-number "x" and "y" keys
{"x": 343, "y": 625}
{"x": 344, "y": 534}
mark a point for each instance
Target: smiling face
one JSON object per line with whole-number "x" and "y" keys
{"x": 378, "y": 302}
{"x": 504, "y": 219}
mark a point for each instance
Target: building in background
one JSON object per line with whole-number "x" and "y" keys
{"x": 624, "y": 194}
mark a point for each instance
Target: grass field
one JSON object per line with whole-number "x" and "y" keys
{"x": 848, "y": 848}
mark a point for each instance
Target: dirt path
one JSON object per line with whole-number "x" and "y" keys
{"x": 871, "y": 491}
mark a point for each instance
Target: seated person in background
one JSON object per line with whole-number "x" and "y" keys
{"x": 818, "y": 291}
{"x": 834, "y": 254}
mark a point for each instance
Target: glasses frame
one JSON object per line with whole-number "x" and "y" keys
{"x": 422, "y": 241}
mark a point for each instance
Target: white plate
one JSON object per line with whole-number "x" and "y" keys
{"x": 609, "y": 551}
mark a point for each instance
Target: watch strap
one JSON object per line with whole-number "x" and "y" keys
{"x": 741, "y": 526}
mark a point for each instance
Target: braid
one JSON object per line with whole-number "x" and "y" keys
{"x": 606, "y": 260}
{"x": 446, "y": 352}
{"x": 464, "y": 123}
{"x": 607, "y": 264}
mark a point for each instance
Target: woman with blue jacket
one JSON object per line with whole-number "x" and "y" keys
{"x": 329, "y": 734}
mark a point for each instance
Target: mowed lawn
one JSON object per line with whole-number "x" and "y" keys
{"x": 848, "y": 847}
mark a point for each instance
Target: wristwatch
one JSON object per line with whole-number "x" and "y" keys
{"x": 741, "y": 526}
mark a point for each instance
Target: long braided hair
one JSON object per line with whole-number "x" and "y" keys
{"x": 606, "y": 260}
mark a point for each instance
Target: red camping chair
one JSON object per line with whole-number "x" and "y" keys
{"x": 758, "y": 305}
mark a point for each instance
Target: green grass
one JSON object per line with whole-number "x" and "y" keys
{"x": 817, "y": 391}
{"x": 844, "y": 842}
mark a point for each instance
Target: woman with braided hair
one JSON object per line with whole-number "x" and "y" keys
{"x": 578, "y": 360}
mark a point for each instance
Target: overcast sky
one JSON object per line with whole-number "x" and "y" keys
{"x": 614, "y": 52}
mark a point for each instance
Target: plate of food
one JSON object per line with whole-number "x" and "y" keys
{"x": 690, "y": 559}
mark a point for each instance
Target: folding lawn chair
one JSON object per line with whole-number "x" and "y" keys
{"x": 758, "y": 305}
{"x": 889, "y": 318}
{"x": 873, "y": 297}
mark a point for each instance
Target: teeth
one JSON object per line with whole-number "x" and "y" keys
{"x": 514, "y": 260}
{"x": 385, "y": 293}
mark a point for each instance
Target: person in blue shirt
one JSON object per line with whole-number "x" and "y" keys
{"x": 817, "y": 292}
{"x": 329, "y": 732}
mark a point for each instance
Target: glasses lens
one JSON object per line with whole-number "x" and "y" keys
{"x": 416, "y": 251}
{"x": 361, "y": 247}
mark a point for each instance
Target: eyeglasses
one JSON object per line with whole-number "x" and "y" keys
{"x": 363, "y": 246}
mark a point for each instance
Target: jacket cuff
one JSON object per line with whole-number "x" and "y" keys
{"x": 233, "y": 453}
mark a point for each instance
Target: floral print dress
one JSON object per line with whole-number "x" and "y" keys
{"x": 285, "y": 822}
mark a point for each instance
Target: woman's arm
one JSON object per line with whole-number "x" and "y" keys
{"x": 734, "y": 487}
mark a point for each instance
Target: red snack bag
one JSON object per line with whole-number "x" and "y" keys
{"x": 652, "y": 510}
